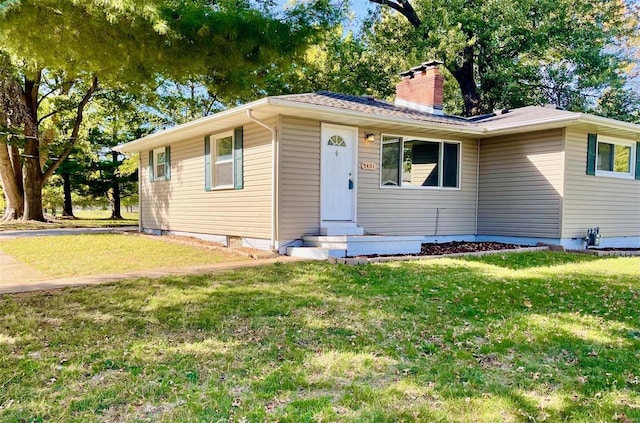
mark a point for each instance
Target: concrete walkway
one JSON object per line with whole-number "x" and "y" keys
{"x": 28, "y": 233}
{"x": 16, "y": 276}
{"x": 10, "y": 285}
{"x": 12, "y": 270}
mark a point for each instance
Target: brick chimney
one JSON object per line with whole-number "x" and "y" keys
{"x": 421, "y": 88}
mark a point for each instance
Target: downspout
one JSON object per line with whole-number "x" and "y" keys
{"x": 274, "y": 178}
{"x": 477, "y": 185}
{"x": 140, "y": 226}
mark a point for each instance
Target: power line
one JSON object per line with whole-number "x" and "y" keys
{"x": 32, "y": 137}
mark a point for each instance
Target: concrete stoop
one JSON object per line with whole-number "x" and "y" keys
{"x": 322, "y": 247}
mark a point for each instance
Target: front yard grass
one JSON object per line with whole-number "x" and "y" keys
{"x": 90, "y": 254}
{"x": 513, "y": 337}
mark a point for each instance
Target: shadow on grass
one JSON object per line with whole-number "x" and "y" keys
{"x": 447, "y": 340}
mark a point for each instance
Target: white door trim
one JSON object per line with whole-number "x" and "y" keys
{"x": 324, "y": 127}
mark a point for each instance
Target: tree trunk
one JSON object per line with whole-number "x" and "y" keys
{"x": 11, "y": 187}
{"x": 466, "y": 80}
{"x": 115, "y": 188}
{"x": 33, "y": 181}
{"x": 67, "y": 209}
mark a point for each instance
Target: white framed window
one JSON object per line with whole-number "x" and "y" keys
{"x": 222, "y": 160}
{"x": 615, "y": 158}
{"x": 160, "y": 164}
{"x": 409, "y": 162}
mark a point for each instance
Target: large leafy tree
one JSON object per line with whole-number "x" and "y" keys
{"x": 511, "y": 53}
{"x": 59, "y": 53}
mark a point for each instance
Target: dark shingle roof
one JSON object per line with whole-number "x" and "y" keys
{"x": 370, "y": 105}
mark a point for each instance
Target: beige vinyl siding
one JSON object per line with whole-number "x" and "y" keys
{"x": 521, "y": 185}
{"x": 613, "y": 204}
{"x": 182, "y": 204}
{"x": 415, "y": 211}
{"x": 299, "y": 187}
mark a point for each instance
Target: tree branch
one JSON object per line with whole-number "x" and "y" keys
{"x": 76, "y": 129}
{"x": 47, "y": 95}
{"x": 47, "y": 116}
{"x": 404, "y": 7}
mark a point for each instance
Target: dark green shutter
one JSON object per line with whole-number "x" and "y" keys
{"x": 167, "y": 161}
{"x": 638, "y": 161}
{"x": 592, "y": 142}
{"x": 207, "y": 163}
{"x": 151, "y": 165}
{"x": 237, "y": 158}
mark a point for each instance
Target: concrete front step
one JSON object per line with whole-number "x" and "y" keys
{"x": 375, "y": 244}
{"x": 315, "y": 253}
{"x": 340, "y": 228}
{"x": 353, "y": 245}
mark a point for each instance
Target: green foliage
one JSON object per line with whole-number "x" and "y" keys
{"x": 620, "y": 103}
{"x": 62, "y": 51}
{"x": 340, "y": 63}
{"x": 527, "y": 52}
{"x": 139, "y": 40}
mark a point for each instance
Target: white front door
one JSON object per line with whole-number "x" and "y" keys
{"x": 337, "y": 176}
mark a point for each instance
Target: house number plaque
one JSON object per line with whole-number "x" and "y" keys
{"x": 368, "y": 166}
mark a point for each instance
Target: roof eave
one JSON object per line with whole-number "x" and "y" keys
{"x": 560, "y": 122}
{"x": 159, "y": 138}
{"x": 536, "y": 125}
{"x": 611, "y": 123}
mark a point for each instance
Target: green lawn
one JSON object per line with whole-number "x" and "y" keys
{"x": 501, "y": 338}
{"x": 84, "y": 219}
{"x": 90, "y": 254}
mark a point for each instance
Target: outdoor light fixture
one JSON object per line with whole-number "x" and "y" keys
{"x": 368, "y": 137}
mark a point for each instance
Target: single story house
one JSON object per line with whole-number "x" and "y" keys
{"x": 322, "y": 174}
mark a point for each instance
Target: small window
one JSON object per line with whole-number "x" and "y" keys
{"x": 223, "y": 161}
{"x": 160, "y": 164}
{"x": 410, "y": 162}
{"x": 337, "y": 141}
{"x": 614, "y": 158}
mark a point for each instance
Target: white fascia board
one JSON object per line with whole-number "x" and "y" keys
{"x": 559, "y": 122}
{"x": 375, "y": 118}
{"x": 611, "y": 123}
{"x": 162, "y": 137}
{"x": 529, "y": 125}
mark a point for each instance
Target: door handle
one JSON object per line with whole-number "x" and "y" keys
{"x": 350, "y": 183}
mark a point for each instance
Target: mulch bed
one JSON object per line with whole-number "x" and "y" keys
{"x": 464, "y": 247}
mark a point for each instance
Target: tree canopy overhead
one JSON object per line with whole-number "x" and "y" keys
{"x": 511, "y": 53}
{"x": 128, "y": 41}
{"x": 60, "y": 52}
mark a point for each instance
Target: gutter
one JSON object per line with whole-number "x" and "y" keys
{"x": 477, "y": 185}
{"x": 274, "y": 177}
{"x": 140, "y": 224}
